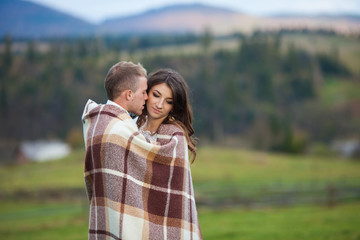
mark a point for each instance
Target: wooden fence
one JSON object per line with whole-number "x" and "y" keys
{"x": 329, "y": 195}
{"x": 230, "y": 195}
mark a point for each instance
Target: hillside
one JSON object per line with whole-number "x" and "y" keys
{"x": 343, "y": 24}
{"x": 197, "y": 17}
{"x": 26, "y": 19}
{"x": 289, "y": 92}
{"x": 181, "y": 18}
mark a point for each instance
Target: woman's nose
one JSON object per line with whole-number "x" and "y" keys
{"x": 159, "y": 104}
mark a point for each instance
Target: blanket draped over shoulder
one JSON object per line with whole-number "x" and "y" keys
{"x": 137, "y": 190}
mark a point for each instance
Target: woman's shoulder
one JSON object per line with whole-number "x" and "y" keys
{"x": 170, "y": 129}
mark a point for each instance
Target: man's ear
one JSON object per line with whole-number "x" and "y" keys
{"x": 129, "y": 95}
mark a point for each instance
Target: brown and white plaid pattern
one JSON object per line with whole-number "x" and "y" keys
{"x": 137, "y": 190}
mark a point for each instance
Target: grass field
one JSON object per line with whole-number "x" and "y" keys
{"x": 313, "y": 223}
{"x": 20, "y": 220}
{"x": 213, "y": 166}
{"x": 218, "y": 165}
{"x": 51, "y": 218}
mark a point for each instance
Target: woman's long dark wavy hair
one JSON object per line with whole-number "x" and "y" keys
{"x": 181, "y": 113}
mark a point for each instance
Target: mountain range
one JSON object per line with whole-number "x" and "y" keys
{"x": 27, "y": 19}
{"x": 22, "y": 19}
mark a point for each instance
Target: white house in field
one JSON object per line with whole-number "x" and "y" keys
{"x": 347, "y": 148}
{"x": 43, "y": 150}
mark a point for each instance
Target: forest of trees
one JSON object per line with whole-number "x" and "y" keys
{"x": 261, "y": 94}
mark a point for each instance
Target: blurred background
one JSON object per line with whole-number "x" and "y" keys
{"x": 275, "y": 91}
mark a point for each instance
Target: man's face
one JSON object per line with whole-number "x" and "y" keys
{"x": 139, "y": 97}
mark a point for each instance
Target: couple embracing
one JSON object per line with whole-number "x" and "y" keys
{"x": 137, "y": 172}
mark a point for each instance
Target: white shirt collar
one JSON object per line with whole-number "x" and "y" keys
{"x": 109, "y": 102}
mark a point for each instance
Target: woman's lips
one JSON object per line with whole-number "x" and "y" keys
{"x": 156, "y": 110}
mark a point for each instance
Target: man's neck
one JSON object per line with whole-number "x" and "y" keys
{"x": 117, "y": 103}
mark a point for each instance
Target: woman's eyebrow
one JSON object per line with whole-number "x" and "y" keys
{"x": 161, "y": 94}
{"x": 157, "y": 92}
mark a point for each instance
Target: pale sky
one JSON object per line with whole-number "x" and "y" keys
{"x": 96, "y": 11}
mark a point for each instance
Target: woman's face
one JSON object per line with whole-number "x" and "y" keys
{"x": 160, "y": 101}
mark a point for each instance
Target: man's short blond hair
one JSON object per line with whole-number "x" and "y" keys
{"x": 123, "y": 76}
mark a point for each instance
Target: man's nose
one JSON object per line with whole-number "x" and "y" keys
{"x": 146, "y": 97}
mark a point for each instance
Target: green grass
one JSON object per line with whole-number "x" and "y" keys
{"x": 63, "y": 173}
{"x": 22, "y": 218}
{"x": 336, "y": 93}
{"x": 313, "y": 223}
{"x": 29, "y": 220}
{"x": 216, "y": 165}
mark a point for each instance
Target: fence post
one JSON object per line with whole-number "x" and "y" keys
{"x": 330, "y": 195}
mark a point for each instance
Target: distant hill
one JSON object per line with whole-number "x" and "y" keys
{"x": 196, "y": 17}
{"x": 26, "y": 19}
{"x": 344, "y": 24}
{"x": 180, "y": 18}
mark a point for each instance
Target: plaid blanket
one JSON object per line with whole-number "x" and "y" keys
{"x": 137, "y": 190}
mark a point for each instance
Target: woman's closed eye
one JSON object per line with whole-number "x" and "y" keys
{"x": 157, "y": 94}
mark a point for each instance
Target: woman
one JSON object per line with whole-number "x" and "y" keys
{"x": 168, "y": 103}
{"x": 167, "y": 120}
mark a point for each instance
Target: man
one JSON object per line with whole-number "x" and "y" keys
{"x": 126, "y": 85}
{"x": 137, "y": 190}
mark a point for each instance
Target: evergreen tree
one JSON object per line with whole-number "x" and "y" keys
{"x": 5, "y": 68}
{"x": 31, "y": 52}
